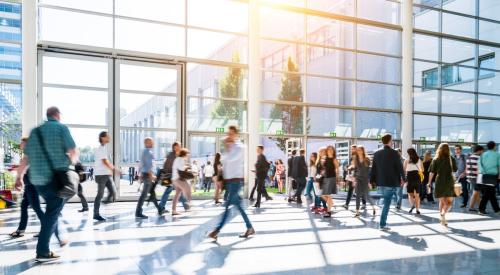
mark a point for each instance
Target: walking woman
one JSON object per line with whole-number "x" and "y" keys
{"x": 181, "y": 163}
{"x": 423, "y": 190}
{"x": 318, "y": 182}
{"x": 362, "y": 178}
{"x": 413, "y": 168}
{"x": 329, "y": 185}
{"x": 280, "y": 175}
{"x": 311, "y": 174}
{"x": 443, "y": 166}
{"x": 217, "y": 178}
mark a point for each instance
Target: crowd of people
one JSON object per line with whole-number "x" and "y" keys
{"x": 50, "y": 149}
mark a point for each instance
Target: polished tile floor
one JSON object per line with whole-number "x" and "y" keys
{"x": 289, "y": 240}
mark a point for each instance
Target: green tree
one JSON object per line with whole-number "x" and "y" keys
{"x": 230, "y": 87}
{"x": 291, "y": 116}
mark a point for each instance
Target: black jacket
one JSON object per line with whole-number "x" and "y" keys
{"x": 290, "y": 166}
{"x": 299, "y": 169}
{"x": 387, "y": 169}
{"x": 169, "y": 162}
{"x": 261, "y": 167}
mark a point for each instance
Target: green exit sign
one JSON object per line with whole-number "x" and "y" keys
{"x": 279, "y": 132}
{"x": 333, "y": 134}
{"x": 379, "y": 136}
{"x": 461, "y": 140}
{"x": 423, "y": 138}
{"x": 219, "y": 130}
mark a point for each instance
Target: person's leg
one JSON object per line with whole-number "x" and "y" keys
{"x": 465, "y": 192}
{"x": 218, "y": 187}
{"x": 53, "y": 208}
{"x": 259, "y": 184}
{"x": 493, "y": 200}
{"x": 358, "y": 198}
{"x": 484, "y": 198}
{"x": 178, "y": 192}
{"x": 145, "y": 190}
{"x": 309, "y": 188}
{"x": 253, "y": 190}
{"x": 417, "y": 200}
{"x": 387, "y": 193}
{"x": 164, "y": 197}
{"x": 209, "y": 180}
{"x": 231, "y": 190}
{"x": 152, "y": 196}
{"x": 23, "y": 222}
{"x": 83, "y": 200}
{"x": 101, "y": 184}
{"x": 110, "y": 185}
{"x": 400, "y": 197}
{"x": 350, "y": 191}
{"x": 186, "y": 190}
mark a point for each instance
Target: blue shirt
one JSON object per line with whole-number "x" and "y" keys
{"x": 489, "y": 163}
{"x": 460, "y": 165}
{"x": 58, "y": 142}
{"x": 146, "y": 164}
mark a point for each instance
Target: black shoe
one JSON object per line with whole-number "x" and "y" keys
{"x": 161, "y": 211}
{"x": 299, "y": 201}
{"x": 483, "y": 212}
{"x": 47, "y": 258}
{"x": 411, "y": 209}
{"x": 418, "y": 212}
{"x": 328, "y": 214}
{"x": 398, "y": 207}
{"x": 251, "y": 199}
{"x": 256, "y": 206}
{"x": 141, "y": 216}
{"x": 83, "y": 210}
{"x": 99, "y": 218}
{"x": 345, "y": 206}
{"x": 363, "y": 207}
{"x": 269, "y": 199}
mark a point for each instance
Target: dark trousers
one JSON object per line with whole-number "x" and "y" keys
{"x": 148, "y": 187}
{"x": 54, "y": 205}
{"x": 465, "y": 190}
{"x": 301, "y": 185}
{"x": 30, "y": 197}
{"x": 85, "y": 205}
{"x": 350, "y": 191}
{"x": 264, "y": 192}
{"x": 207, "y": 183}
{"x": 102, "y": 183}
{"x": 261, "y": 190}
{"x": 488, "y": 195}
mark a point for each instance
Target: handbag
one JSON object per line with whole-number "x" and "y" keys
{"x": 185, "y": 174}
{"x": 457, "y": 187}
{"x": 164, "y": 179}
{"x": 65, "y": 181}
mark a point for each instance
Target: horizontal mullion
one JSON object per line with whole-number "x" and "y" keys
{"x": 457, "y": 37}
{"x": 10, "y": 81}
{"x": 125, "y": 91}
{"x": 150, "y": 129}
{"x": 74, "y": 87}
{"x": 332, "y": 106}
{"x": 219, "y": 98}
{"x": 455, "y": 115}
{"x": 15, "y": 42}
{"x": 85, "y": 126}
{"x": 456, "y": 13}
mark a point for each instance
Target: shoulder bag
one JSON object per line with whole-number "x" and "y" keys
{"x": 457, "y": 187}
{"x": 65, "y": 181}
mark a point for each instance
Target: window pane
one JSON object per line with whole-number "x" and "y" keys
{"x": 379, "y": 40}
{"x": 489, "y": 31}
{"x": 330, "y": 91}
{"x": 426, "y": 19}
{"x": 379, "y": 10}
{"x": 66, "y": 71}
{"x": 380, "y": 96}
{"x": 104, "y": 6}
{"x": 461, "y": 6}
{"x": 285, "y": 119}
{"x": 204, "y": 114}
{"x": 132, "y": 144}
{"x": 425, "y": 100}
{"x": 456, "y": 129}
{"x": 78, "y": 28}
{"x": 130, "y": 35}
{"x": 330, "y": 62}
{"x": 457, "y": 103}
{"x": 296, "y": 3}
{"x": 488, "y": 57}
{"x": 379, "y": 68}
{"x": 458, "y": 77}
{"x": 489, "y": 9}
{"x": 489, "y": 82}
{"x": 457, "y": 52}
{"x": 339, "y": 122}
{"x": 375, "y": 124}
{"x": 216, "y": 81}
{"x": 148, "y": 78}
{"x": 86, "y": 140}
{"x": 275, "y": 55}
{"x": 425, "y": 127}
{"x": 281, "y": 24}
{"x": 425, "y": 74}
{"x": 158, "y": 10}
{"x": 73, "y": 103}
{"x": 345, "y": 7}
{"x": 286, "y": 86}
{"x": 459, "y": 25}
{"x": 149, "y": 111}
{"x": 217, "y": 46}
{"x": 426, "y": 47}
{"x": 489, "y": 106}
{"x": 329, "y": 32}
{"x": 218, "y": 15}
{"x": 488, "y": 130}
{"x": 10, "y": 60}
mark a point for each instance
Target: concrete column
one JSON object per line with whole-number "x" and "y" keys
{"x": 254, "y": 92}
{"x": 407, "y": 74}
{"x": 29, "y": 71}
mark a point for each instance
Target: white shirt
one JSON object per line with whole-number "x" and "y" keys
{"x": 414, "y": 167}
{"x": 99, "y": 168}
{"x": 233, "y": 162}
{"x": 208, "y": 171}
{"x": 179, "y": 164}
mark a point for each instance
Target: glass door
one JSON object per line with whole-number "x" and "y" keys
{"x": 147, "y": 101}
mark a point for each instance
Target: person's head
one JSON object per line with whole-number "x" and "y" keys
{"x": 353, "y": 149}
{"x": 148, "y": 142}
{"x": 233, "y": 132}
{"x": 321, "y": 152}
{"x": 478, "y": 149}
{"x": 330, "y": 151}
{"x": 217, "y": 158}
{"x": 195, "y": 162}
{"x": 361, "y": 154}
{"x": 294, "y": 152}
{"x": 458, "y": 149}
{"x": 491, "y": 145}
{"x": 208, "y": 163}
{"x": 427, "y": 156}
{"x": 302, "y": 152}
{"x": 54, "y": 113}
{"x": 260, "y": 149}
{"x": 183, "y": 153}
{"x": 103, "y": 138}
{"x": 412, "y": 153}
{"x": 387, "y": 140}
{"x": 24, "y": 141}
{"x": 176, "y": 147}
{"x": 312, "y": 158}
{"x": 443, "y": 151}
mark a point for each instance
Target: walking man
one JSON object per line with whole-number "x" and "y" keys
{"x": 49, "y": 143}
{"x": 299, "y": 174}
{"x": 146, "y": 168}
{"x": 489, "y": 167}
{"x": 460, "y": 175}
{"x": 387, "y": 172}
{"x": 289, "y": 184}
{"x": 472, "y": 173}
{"x": 233, "y": 165}
{"x": 103, "y": 170}
{"x": 167, "y": 169}
{"x": 261, "y": 169}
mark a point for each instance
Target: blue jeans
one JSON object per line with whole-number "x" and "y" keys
{"x": 30, "y": 198}
{"x": 54, "y": 205}
{"x": 233, "y": 188}
{"x": 309, "y": 188}
{"x": 399, "y": 196}
{"x": 166, "y": 194}
{"x": 387, "y": 193}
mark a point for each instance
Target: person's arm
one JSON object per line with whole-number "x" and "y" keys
{"x": 337, "y": 169}
{"x": 21, "y": 170}
{"x": 373, "y": 172}
{"x": 405, "y": 165}
{"x": 401, "y": 172}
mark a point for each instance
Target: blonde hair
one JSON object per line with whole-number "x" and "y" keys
{"x": 443, "y": 151}
{"x": 427, "y": 156}
{"x": 321, "y": 153}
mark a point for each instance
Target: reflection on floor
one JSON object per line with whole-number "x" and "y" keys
{"x": 289, "y": 240}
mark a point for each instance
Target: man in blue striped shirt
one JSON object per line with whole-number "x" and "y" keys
{"x": 489, "y": 167}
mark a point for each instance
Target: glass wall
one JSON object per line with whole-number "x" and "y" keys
{"x": 455, "y": 83}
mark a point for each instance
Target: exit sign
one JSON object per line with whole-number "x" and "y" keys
{"x": 333, "y": 134}
{"x": 279, "y": 132}
{"x": 461, "y": 140}
{"x": 219, "y": 130}
{"x": 423, "y": 138}
{"x": 379, "y": 136}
